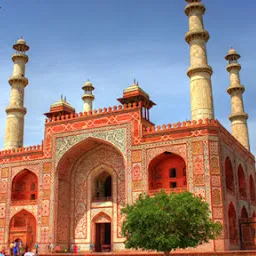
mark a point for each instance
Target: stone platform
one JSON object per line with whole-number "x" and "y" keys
{"x": 227, "y": 253}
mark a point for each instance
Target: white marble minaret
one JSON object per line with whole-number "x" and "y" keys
{"x": 16, "y": 111}
{"x": 238, "y": 117}
{"x": 199, "y": 72}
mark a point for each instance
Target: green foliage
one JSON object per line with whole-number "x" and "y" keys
{"x": 167, "y": 222}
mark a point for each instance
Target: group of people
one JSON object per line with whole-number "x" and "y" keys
{"x": 17, "y": 248}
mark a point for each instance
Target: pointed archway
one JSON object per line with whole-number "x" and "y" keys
{"x": 229, "y": 175}
{"x": 24, "y": 187}
{"x": 78, "y": 171}
{"x": 242, "y": 182}
{"x": 232, "y": 224}
{"x": 167, "y": 171}
{"x": 101, "y": 233}
{"x": 23, "y": 228}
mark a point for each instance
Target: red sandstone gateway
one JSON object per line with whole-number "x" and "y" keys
{"x": 70, "y": 190}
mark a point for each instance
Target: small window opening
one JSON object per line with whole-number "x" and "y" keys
{"x": 173, "y": 185}
{"x": 33, "y": 197}
{"x": 172, "y": 173}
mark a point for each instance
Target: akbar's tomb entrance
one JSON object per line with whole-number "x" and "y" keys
{"x": 91, "y": 193}
{"x": 23, "y": 228}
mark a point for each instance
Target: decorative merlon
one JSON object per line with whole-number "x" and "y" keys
{"x": 100, "y": 111}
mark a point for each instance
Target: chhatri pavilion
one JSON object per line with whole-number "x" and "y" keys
{"x": 70, "y": 190}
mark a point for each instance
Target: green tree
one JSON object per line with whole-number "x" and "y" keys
{"x": 168, "y": 222}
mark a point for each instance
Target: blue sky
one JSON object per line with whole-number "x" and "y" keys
{"x": 112, "y": 42}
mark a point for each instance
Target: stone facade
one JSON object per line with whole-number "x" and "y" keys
{"x": 70, "y": 190}
{"x": 78, "y": 148}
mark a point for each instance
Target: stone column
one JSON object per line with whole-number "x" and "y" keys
{"x": 16, "y": 111}
{"x": 199, "y": 72}
{"x": 238, "y": 117}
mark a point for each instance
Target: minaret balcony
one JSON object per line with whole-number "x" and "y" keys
{"x": 238, "y": 116}
{"x": 194, "y": 6}
{"x": 233, "y": 88}
{"x": 88, "y": 96}
{"x": 11, "y": 109}
{"x": 20, "y": 55}
{"x": 202, "y": 68}
{"x": 197, "y": 34}
{"x": 233, "y": 65}
{"x": 18, "y": 79}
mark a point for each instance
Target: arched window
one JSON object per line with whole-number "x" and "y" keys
{"x": 24, "y": 187}
{"x": 172, "y": 173}
{"x": 229, "y": 175}
{"x": 167, "y": 171}
{"x": 252, "y": 189}
{"x": 103, "y": 186}
{"x": 244, "y": 213}
{"x": 232, "y": 224}
{"x": 242, "y": 182}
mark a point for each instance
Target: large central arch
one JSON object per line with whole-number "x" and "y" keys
{"x": 77, "y": 172}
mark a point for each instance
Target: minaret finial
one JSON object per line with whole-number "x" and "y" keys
{"x": 238, "y": 116}
{"x": 199, "y": 72}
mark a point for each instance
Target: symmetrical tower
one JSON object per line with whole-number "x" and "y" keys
{"x": 199, "y": 71}
{"x": 16, "y": 111}
{"x": 238, "y": 117}
{"x": 88, "y": 97}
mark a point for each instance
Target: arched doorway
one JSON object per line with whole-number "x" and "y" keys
{"x": 23, "y": 228}
{"x": 246, "y": 229}
{"x": 101, "y": 233}
{"x": 167, "y": 171}
{"x": 24, "y": 187}
{"x": 232, "y": 224}
{"x": 229, "y": 175}
{"x": 242, "y": 182}
{"x": 102, "y": 187}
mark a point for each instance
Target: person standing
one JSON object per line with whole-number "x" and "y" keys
{"x": 16, "y": 248}
{"x": 11, "y": 248}
{"x": 36, "y": 246}
{"x": 21, "y": 249}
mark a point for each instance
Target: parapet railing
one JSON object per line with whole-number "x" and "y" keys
{"x": 151, "y": 192}
{"x": 30, "y": 149}
{"x": 100, "y": 111}
{"x": 23, "y": 202}
{"x": 185, "y": 124}
{"x": 102, "y": 199}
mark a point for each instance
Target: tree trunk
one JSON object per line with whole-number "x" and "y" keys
{"x": 166, "y": 253}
